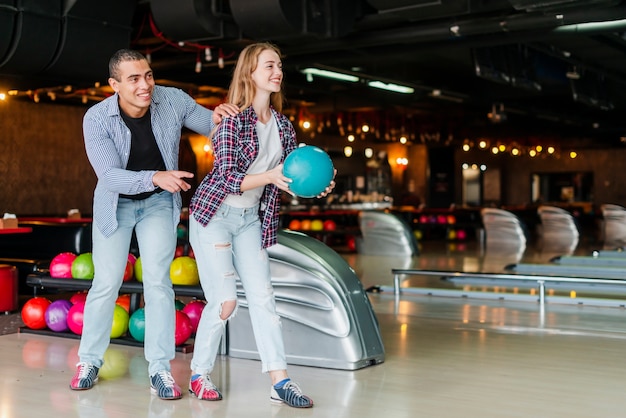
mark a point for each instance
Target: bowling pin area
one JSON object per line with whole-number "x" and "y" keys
{"x": 471, "y": 349}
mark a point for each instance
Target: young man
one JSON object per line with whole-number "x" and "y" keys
{"x": 132, "y": 142}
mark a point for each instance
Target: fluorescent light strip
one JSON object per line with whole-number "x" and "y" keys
{"x": 391, "y": 87}
{"x": 330, "y": 74}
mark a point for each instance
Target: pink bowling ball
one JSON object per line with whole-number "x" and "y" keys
{"x": 61, "y": 265}
{"x": 193, "y": 310}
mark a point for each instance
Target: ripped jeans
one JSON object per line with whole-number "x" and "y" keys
{"x": 227, "y": 248}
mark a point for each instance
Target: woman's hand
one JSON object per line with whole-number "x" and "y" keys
{"x": 330, "y": 187}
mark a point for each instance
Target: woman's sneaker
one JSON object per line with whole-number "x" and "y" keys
{"x": 163, "y": 385}
{"x": 85, "y": 377}
{"x": 290, "y": 393}
{"x": 201, "y": 386}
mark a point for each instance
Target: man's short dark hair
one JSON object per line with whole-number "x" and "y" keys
{"x": 120, "y": 56}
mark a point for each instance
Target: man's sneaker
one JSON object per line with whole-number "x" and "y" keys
{"x": 290, "y": 394}
{"x": 163, "y": 385}
{"x": 202, "y": 388}
{"x": 85, "y": 377}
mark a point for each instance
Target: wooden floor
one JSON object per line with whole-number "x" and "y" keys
{"x": 454, "y": 356}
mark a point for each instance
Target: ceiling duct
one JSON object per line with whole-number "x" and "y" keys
{"x": 288, "y": 19}
{"x": 562, "y": 5}
{"x": 91, "y": 32}
{"x": 434, "y": 9}
{"x": 187, "y": 20}
{"x": 29, "y": 40}
{"x": 8, "y": 16}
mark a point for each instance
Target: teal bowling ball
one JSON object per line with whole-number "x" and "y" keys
{"x": 137, "y": 324}
{"x": 310, "y": 169}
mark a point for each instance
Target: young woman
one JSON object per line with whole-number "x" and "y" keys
{"x": 234, "y": 218}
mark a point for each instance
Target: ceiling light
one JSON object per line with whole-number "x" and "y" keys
{"x": 573, "y": 74}
{"x": 329, "y": 74}
{"x": 391, "y": 87}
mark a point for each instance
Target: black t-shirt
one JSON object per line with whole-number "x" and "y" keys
{"x": 144, "y": 151}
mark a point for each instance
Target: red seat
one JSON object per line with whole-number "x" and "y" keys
{"x": 8, "y": 288}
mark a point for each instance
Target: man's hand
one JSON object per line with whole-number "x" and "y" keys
{"x": 172, "y": 181}
{"x": 223, "y": 110}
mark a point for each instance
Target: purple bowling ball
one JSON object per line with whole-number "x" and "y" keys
{"x": 56, "y": 315}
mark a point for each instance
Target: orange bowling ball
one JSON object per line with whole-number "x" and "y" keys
{"x": 295, "y": 224}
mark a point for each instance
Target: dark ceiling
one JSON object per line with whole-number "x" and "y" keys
{"x": 518, "y": 69}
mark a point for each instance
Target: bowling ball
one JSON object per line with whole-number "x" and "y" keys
{"x": 330, "y": 225}
{"x": 194, "y": 311}
{"x": 138, "y": 270}
{"x": 295, "y": 224}
{"x": 34, "y": 312}
{"x": 418, "y": 234}
{"x": 129, "y": 272}
{"x": 61, "y": 265}
{"x": 78, "y": 297}
{"x": 82, "y": 266}
{"x": 120, "y": 322}
{"x": 137, "y": 324}
{"x": 451, "y": 219}
{"x": 75, "y": 318}
{"x": 317, "y": 225}
{"x": 184, "y": 271}
{"x": 180, "y": 251}
{"x": 56, "y": 315}
{"x": 305, "y": 224}
{"x": 452, "y": 234}
{"x": 310, "y": 169}
{"x": 182, "y": 232}
{"x": 115, "y": 364}
{"x": 123, "y": 301}
{"x": 179, "y": 304}
{"x": 132, "y": 258}
{"x": 183, "y": 328}
{"x": 461, "y": 234}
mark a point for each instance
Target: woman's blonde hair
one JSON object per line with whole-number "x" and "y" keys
{"x": 242, "y": 89}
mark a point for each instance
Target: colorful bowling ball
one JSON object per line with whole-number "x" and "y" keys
{"x": 183, "y": 328}
{"x": 34, "y": 312}
{"x": 310, "y": 169}
{"x": 418, "y": 234}
{"x": 179, "y": 304}
{"x": 132, "y": 258}
{"x": 461, "y": 234}
{"x": 82, "y": 266}
{"x": 75, "y": 318}
{"x": 330, "y": 225}
{"x": 137, "y": 324}
{"x": 194, "y": 311}
{"x": 78, "y": 297}
{"x": 56, "y": 315}
{"x": 305, "y": 224}
{"x": 61, "y": 265}
{"x": 129, "y": 272}
{"x": 123, "y": 301}
{"x": 138, "y": 270}
{"x": 295, "y": 224}
{"x": 452, "y": 234}
{"x": 181, "y": 232}
{"x": 120, "y": 322}
{"x": 184, "y": 271}
{"x": 115, "y": 364}
{"x": 451, "y": 219}
{"x": 317, "y": 225}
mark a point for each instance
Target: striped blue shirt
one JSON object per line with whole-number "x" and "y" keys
{"x": 108, "y": 140}
{"x": 236, "y": 146}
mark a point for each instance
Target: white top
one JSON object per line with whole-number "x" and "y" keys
{"x": 270, "y": 150}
